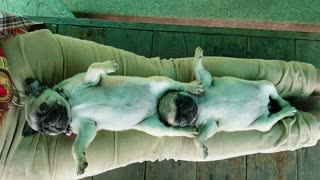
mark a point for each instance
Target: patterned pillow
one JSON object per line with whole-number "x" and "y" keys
{"x": 14, "y": 24}
{"x": 9, "y": 24}
{"x": 6, "y": 91}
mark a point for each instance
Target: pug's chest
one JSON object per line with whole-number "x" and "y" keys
{"x": 115, "y": 111}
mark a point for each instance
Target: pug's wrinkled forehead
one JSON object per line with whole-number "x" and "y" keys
{"x": 177, "y": 108}
{"x": 35, "y": 89}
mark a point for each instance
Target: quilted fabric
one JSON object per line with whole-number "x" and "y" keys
{"x": 11, "y": 23}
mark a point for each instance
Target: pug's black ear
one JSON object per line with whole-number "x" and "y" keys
{"x": 35, "y": 86}
{"x": 28, "y": 131}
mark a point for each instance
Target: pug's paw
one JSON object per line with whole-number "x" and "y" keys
{"x": 189, "y": 131}
{"x": 195, "y": 88}
{"x": 198, "y": 53}
{"x": 110, "y": 66}
{"x": 197, "y": 62}
{"x": 201, "y": 149}
{"x": 289, "y": 111}
{"x": 205, "y": 151}
{"x": 81, "y": 168}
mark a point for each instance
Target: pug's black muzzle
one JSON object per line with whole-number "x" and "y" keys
{"x": 53, "y": 120}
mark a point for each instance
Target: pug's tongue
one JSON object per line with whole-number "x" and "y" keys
{"x": 69, "y": 133}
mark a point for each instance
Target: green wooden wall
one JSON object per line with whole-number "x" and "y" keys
{"x": 180, "y": 41}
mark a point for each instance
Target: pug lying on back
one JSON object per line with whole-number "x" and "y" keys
{"x": 92, "y": 101}
{"x": 227, "y": 104}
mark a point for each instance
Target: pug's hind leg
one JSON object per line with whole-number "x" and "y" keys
{"x": 95, "y": 70}
{"x": 201, "y": 74}
{"x": 86, "y": 134}
{"x": 205, "y": 132}
{"x": 267, "y": 87}
{"x": 265, "y": 122}
{"x": 155, "y": 127}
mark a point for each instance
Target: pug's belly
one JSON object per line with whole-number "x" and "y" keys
{"x": 237, "y": 117}
{"x": 112, "y": 117}
{"x": 234, "y": 104}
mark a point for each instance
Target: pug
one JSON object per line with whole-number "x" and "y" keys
{"x": 227, "y": 104}
{"x": 93, "y": 101}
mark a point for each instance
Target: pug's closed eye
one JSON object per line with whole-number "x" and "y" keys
{"x": 44, "y": 107}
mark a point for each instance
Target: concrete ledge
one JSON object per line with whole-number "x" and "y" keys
{"x": 206, "y": 22}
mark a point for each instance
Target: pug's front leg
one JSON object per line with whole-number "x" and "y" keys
{"x": 162, "y": 84}
{"x": 265, "y": 122}
{"x": 96, "y": 70}
{"x": 206, "y": 131}
{"x": 85, "y": 135}
{"x": 155, "y": 127}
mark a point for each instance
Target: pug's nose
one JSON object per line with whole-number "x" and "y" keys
{"x": 46, "y": 124}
